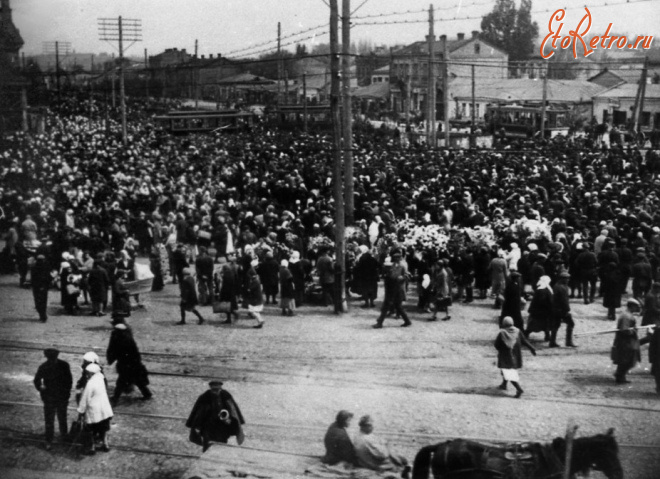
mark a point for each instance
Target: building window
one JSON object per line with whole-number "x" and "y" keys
{"x": 477, "y": 48}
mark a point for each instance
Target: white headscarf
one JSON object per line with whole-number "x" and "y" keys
{"x": 544, "y": 283}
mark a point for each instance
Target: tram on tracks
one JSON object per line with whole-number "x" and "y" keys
{"x": 203, "y": 121}
{"x": 525, "y": 121}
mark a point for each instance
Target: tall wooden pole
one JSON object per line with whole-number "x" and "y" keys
{"x": 57, "y": 70}
{"x": 642, "y": 94}
{"x": 122, "y": 91}
{"x": 445, "y": 90}
{"x": 279, "y": 64}
{"x": 472, "y": 113}
{"x": 409, "y": 90}
{"x": 340, "y": 274}
{"x": 432, "y": 85}
{"x": 545, "y": 99}
{"x": 347, "y": 112}
{"x": 193, "y": 82}
{"x": 305, "y": 101}
{"x": 146, "y": 74}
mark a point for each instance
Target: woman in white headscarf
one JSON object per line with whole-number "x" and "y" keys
{"x": 513, "y": 257}
{"x": 509, "y": 354}
{"x": 540, "y": 309}
{"x": 95, "y": 409}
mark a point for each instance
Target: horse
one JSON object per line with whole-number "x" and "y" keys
{"x": 464, "y": 459}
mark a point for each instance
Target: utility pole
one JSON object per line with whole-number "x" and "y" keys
{"x": 305, "y": 101}
{"x": 445, "y": 90}
{"x": 54, "y": 47}
{"x": 91, "y": 87}
{"x": 472, "y": 113}
{"x": 340, "y": 274}
{"x": 279, "y": 63}
{"x": 409, "y": 90}
{"x": 120, "y": 30}
{"x": 641, "y": 92}
{"x": 545, "y": 98}
{"x": 193, "y": 77}
{"x": 347, "y": 112}
{"x": 431, "y": 80}
{"x": 146, "y": 74}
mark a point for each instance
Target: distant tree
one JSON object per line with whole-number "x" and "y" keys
{"x": 511, "y": 29}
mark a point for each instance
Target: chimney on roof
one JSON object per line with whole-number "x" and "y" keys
{"x": 182, "y": 51}
{"x": 210, "y": 56}
{"x": 219, "y": 55}
{"x": 443, "y": 38}
{"x": 202, "y": 57}
{"x": 461, "y": 36}
{"x": 475, "y": 33}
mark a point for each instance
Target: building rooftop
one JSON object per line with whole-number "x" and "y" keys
{"x": 526, "y": 90}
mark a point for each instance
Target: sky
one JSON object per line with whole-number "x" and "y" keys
{"x": 237, "y": 28}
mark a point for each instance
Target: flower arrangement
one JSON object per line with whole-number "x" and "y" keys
{"x": 481, "y": 236}
{"x": 318, "y": 242}
{"x": 291, "y": 240}
{"x": 353, "y": 233}
{"x": 426, "y": 238}
{"x": 531, "y": 229}
{"x": 386, "y": 244}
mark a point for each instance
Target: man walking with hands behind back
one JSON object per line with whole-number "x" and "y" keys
{"x": 54, "y": 381}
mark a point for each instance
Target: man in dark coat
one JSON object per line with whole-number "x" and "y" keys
{"x": 204, "y": 270}
{"x": 338, "y": 444}
{"x": 326, "y": 269}
{"x": 98, "y": 283}
{"x": 642, "y": 275}
{"x": 653, "y": 339}
{"x": 586, "y": 268}
{"x": 269, "y": 272}
{"x": 395, "y": 292}
{"x": 40, "y": 284}
{"x": 130, "y": 370}
{"x": 54, "y": 381}
{"x": 301, "y": 270}
{"x": 625, "y": 262}
{"x": 652, "y": 306}
{"x": 215, "y": 417}
{"x": 562, "y": 312}
{"x": 610, "y": 287}
{"x": 511, "y": 305}
{"x": 365, "y": 277}
{"x": 189, "y": 297}
{"x": 179, "y": 262}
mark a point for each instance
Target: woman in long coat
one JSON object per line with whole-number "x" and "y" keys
{"x": 227, "y": 288}
{"x": 95, "y": 409}
{"x": 365, "y": 277}
{"x": 611, "y": 289}
{"x": 268, "y": 274}
{"x": 130, "y": 370}
{"x": 509, "y": 343}
{"x": 625, "y": 350}
{"x": 511, "y": 305}
{"x": 540, "y": 309}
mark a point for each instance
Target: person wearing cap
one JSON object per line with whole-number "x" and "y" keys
{"x": 54, "y": 381}
{"x": 41, "y": 280}
{"x": 395, "y": 292}
{"x": 268, "y": 271}
{"x": 123, "y": 349}
{"x": 215, "y": 417}
{"x": 508, "y": 343}
{"x": 98, "y": 284}
{"x": 626, "y": 346}
{"x": 561, "y": 311}
{"x": 94, "y": 408}
{"x": 188, "y": 297}
{"x": 373, "y": 453}
{"x": 338, "y": 444}
{"x": 586, "y": 270}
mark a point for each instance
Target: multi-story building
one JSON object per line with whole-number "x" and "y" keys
{"x": 13, "y": 103}
{"x": 409, "y": 68}
{"x": 366, "y": 65}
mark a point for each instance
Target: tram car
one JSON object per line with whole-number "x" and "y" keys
{"x": 204, "y": 121}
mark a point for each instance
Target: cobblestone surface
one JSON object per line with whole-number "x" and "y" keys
{"x": 421, "y": 384}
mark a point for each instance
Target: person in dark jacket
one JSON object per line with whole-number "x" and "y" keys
{"x": 513, "y": 296}
{"x": 652, "y": 306}
{"x": 642, "y": 276}
{"x": 204, "y": 270}
{"x": 610, "y": 287}
{"x": 40, "y": 285}
{"x": 287, "y": 289}
{"x": 338, "y": 444}
{"x": 509, "y": 343}
{"x": 121, "y": 303}
{"x": 300, "y": 269}
{"x": 326, "y": 269}
{"x": 269, "y": 276}
{"x": 216, "y": 417}
{"x": 586, "y": 269}
{"x": 653, "y": 340}
{"x": 98, "y": 283}
{"x": 188, "y": 297}
{"x": 626, "y": 346}
{"x": 561, "y": 310}
{"x": 227, "y": 286}
{"x": 365, "y": 277}
{"x": 179, "y": 263}
{"x": 130, "y": 370}
{"x": 54, "y": 381}
{"x": 157, "y": 269}
{"x": 540, "y": 309}
{"x": 395, "y": 293}
{"x": 625, "y": 262}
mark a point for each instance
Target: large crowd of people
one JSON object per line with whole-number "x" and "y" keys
{"x": 247, "y": 218}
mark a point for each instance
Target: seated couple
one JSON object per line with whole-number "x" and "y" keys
{"x": 364, "y": 450}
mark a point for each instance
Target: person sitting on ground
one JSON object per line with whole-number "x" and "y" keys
{"x": 371, "y": 452}
{"x": 338, "y": 445}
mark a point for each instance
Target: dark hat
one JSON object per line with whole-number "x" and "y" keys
{"x": 215, "y": 382}
{"x": 633, "y": 302}
{"x": 51, "y": 353}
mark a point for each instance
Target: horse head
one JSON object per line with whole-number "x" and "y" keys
{"x": 599, "y": 452}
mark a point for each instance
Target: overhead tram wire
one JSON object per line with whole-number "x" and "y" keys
{"x": 285, "y": 37}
